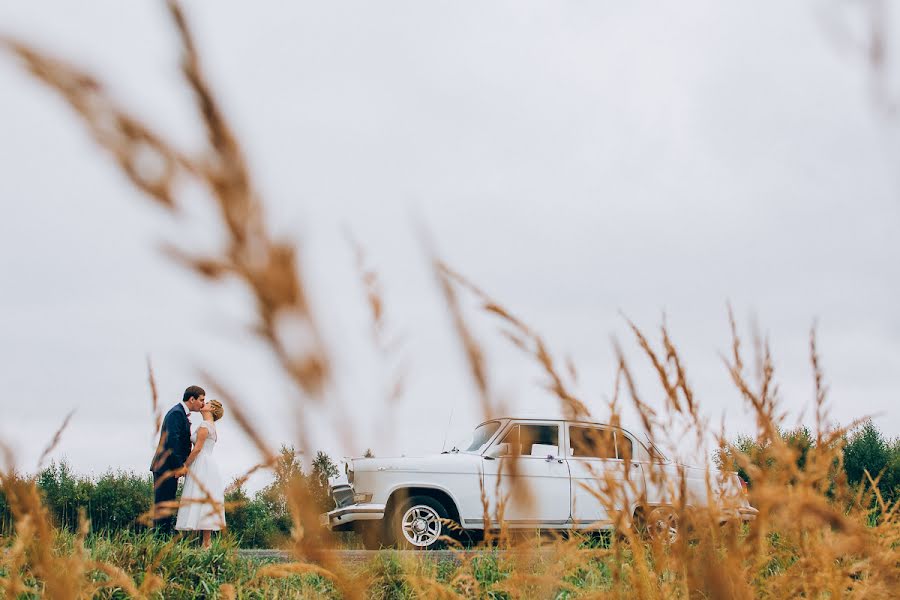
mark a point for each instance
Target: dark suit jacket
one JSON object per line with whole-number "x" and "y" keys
{"x": 174, "y": 441}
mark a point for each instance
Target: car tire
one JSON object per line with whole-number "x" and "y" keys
{"x": 419, "y": 523}
{"x": 659, "y": 523}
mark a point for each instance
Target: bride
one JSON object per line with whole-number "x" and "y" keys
{"x": 202, "y": 506}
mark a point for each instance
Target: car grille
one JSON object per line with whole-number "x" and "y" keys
{"x": 342, "y": 495}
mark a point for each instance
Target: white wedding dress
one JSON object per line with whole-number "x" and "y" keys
{"x": 203, "y": 483}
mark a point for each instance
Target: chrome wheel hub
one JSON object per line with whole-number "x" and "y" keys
{"x": 421, "y": 525}
{"x": 663, "y": 525}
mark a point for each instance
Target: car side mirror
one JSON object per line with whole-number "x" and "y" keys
{"x": 497, "y": 450}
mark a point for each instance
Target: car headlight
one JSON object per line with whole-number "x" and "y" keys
{"x": 362, "y": 498}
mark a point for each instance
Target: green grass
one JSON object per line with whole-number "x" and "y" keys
{"x": 191, "y": 572}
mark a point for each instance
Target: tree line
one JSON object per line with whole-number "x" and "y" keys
{"x": 864, "y": 450}
{"x": 116, "y": 500}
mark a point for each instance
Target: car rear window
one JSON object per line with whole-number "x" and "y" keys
{"x": 591, "y": 442}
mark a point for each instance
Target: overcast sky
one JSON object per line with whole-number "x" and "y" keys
{"x": 575, "y": 159}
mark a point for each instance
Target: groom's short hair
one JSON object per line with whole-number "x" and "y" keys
{"x": 194, "y": 391}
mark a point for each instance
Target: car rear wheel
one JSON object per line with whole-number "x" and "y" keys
{"x": 661, "y": 524}
{"x": 419, "y": 524}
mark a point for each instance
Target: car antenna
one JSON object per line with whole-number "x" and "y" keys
{"x": 447, "y": 431}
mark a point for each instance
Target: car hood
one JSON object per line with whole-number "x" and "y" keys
{"x": 432, "y": 463}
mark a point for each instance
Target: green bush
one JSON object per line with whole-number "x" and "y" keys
{"x": 868, "y": 450}
{"x": 250, "y": 521}
{"x": 273, "y": 498}
{"x": 113, "y": 502}
{"x": 323, "y": 468}
{"x": 118, "y": 500}
{"x": 759, "y": 453}
{"x": 6, "y": 522}
{"x": 865, "y": 449}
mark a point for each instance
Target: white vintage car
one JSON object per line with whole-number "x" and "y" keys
{"x": 544, "y": 473}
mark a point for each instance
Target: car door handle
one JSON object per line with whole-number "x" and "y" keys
{"x": 551, "y": 458}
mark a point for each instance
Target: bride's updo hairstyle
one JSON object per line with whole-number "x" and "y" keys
{"x": 217, "y": 410}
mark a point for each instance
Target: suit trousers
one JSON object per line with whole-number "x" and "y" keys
{"x": 164, "y": 492}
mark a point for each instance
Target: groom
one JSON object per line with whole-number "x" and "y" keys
{"x": 171, "y": 452}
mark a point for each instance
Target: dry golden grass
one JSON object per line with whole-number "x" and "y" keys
{"x": 814, "y": 536}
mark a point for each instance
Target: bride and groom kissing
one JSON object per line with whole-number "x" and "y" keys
{"x": 182, "y": 454}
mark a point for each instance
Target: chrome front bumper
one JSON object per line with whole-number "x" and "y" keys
{"x": 340, "y": 517}
{"x": 747, "y": 513}
{"x": 738, "y": 513}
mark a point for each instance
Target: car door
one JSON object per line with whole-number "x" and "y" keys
{"x": 604, "y": 478}
{"x": 527, "y": 484}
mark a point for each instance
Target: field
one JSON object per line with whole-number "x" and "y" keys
{"x": 583, "y": 567}
{"x": 184, "y": 571}
{"x": 824, "y": 530}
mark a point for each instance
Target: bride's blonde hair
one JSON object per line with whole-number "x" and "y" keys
{"x": 216, "y": 409}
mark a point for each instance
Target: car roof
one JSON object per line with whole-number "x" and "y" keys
{"x": 579, "y": 422}
{"x": 553, "y": 419}
{"x": 558, "y": 420}
{"x": 644, "y": 442}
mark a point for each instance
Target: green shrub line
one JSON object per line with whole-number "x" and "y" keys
{"x": 115, "y": 501}
{"x": 865, "y": 449}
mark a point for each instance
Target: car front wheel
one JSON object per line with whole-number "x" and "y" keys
{"x": 419, "y": 524}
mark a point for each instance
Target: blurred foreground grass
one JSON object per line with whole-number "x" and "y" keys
{"x": 190, "y": 572}
{"x": 591, "y": 569}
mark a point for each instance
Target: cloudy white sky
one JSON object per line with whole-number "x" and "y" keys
{"x": 576, "y": 159}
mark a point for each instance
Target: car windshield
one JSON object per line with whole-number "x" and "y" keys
{"x": 481, "y": 436}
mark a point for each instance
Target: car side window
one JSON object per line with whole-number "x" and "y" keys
{"x": 532, "y": 440}
{"x": 591, "y": 442}
{"x": 624, "y": 446}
